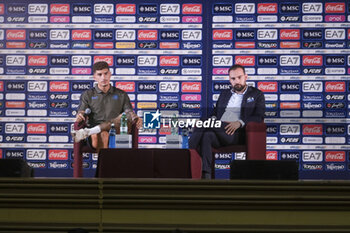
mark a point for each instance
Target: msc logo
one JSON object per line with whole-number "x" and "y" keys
{"x": 267, "y": 60}
{"x": 151, "y": 120}
{"x": 38, "y": 35}
{"x": 191, "y": 61}
{"x": 148, "y": 8}
{"x": 125, "y": 61}
{"x": 245, "y": 34}
{"x": 312, "y": 34}
{"x": 223, "y": 8}
{"x": 82, "y": 8}
{"x": 170, "y": 35}
{"x": 335, "y": 60}
{"x": 290, "y": 8}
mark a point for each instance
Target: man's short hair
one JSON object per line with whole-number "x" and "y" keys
{"x": 101, "y": 65}
{"x": 235, "y": 67}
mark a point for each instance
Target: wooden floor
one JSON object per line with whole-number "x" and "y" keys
{"x": 150, "y": 205}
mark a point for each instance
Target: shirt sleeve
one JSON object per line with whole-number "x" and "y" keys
{"x": 84, "y": 104}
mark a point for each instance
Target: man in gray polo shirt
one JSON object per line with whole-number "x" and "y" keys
{"x": 107, "y": 103}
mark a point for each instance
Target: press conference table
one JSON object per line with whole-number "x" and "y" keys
{"x": 149, "y": 163}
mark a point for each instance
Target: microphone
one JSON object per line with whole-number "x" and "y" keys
{"x": 87, "y": 112}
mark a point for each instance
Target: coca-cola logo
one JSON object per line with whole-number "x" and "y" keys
{"x": 108, "y": 59}
{"x": 335, "y": 86}
{"x": 312, "y": 129}
{"x": 267, "y": 8}
{"x": 15, "y": 34}
{"x": 2, "y": 11}
{"x": 126, "y": 86}
{"x": 126, "y": 9}
{"x": 81, "y": 35}
{"x": 335, "y": 7}
{"x": 169, "y": 61}
{"x": 335, "y": 156}
{"x": 222, "y": 34}
{"x": 59, "y": 9}
{"x": 191, "y": 87}
{"x": 59, "y": 86}
{"x": 147, "y": 35}
{"x": 37, "y": 60}
{"x": 245, "y": 60}
{"x": 267, "y": 86}
{"x": 38, "y": 128}
{"x": 312, "y": 60}
{"x": 192, "y": 9}
{"x": 58, "y": 154}
{"x": 271, "y": 155}
{"x": 290, "y": 34}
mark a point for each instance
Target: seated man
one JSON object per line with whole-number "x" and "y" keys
{"x": 235, "y": 108}
{"x": 107, "y": 103}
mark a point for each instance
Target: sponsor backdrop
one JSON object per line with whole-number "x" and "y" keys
{"x": 174, "y": 56}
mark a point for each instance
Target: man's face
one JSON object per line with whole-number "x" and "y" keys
{"x": 238, "y": 79}
{"x": 102, "y": 77}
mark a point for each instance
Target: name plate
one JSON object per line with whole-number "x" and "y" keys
{"x": 173, "y": 141}
{"x": 123, "y": 141}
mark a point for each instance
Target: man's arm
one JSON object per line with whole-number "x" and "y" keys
{"x": 259, "y": 110}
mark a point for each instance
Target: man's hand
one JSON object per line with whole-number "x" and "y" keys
{"x": 80, "y": 117}
{"x": 232, "y": 127}
{"x": 138, "y": 121}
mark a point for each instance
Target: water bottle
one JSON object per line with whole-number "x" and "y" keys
{"x": 123, "y": 124}
{"x": 185, "y": 133}
{"x": 174, "y": 126}
{"x": 112, "y": 133}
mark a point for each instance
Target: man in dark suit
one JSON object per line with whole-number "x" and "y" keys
{"x": 234, "y": 108}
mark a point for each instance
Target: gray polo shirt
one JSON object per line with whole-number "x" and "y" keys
{"x": 104, "y": 106}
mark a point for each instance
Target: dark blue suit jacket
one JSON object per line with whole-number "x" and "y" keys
{"x": 252, "y": 108}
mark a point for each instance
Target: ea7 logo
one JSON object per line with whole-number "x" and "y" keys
{"x": 312, "y": 156}
{"x": 14, "y": 128}
{"x": 169, "y": 86}
{"x": 103, "y": 9}
{"x": 38, "y": 9}
{"x": 125, "y": 35}
{"x": 312, "y": 8}
{"x": 15, "y": 60}
{"x": 312, "y": 87}
{"x": 289, "y": 129}
{"x": 191, "y": 35}
{"x": 36, "y": 154}
{"x": 267, "y": 34}
{"x": 81, "y": 60}
{"x": 222, "y": 60}
{"x": 147, "y": 61}
{"x": 169, "y": 9}
{"x": 59, "y": 34}
{"x": 290, "y": 60}
{"x": 335, "y": 34}
{"x": 37, "y": 86}
{"x": 244, "y": 8}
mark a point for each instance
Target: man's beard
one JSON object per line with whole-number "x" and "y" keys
{"x": 238, "y": 87}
